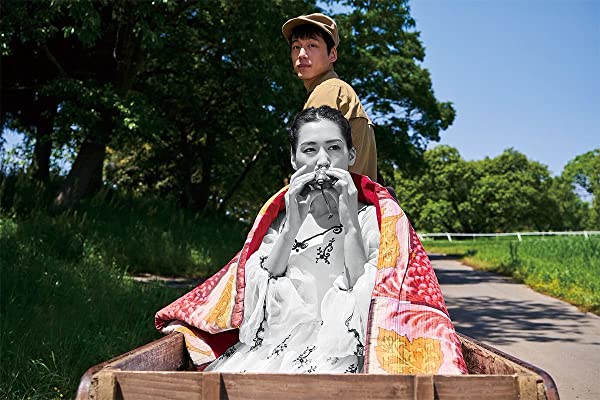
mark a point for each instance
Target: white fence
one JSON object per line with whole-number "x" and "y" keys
{"x": 519, "y": 235}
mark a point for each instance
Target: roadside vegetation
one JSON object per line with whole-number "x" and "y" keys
{"x": 564, "y": 267}
{"x": 68, "y": 300}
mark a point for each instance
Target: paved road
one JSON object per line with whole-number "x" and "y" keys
{"x": 541, "y": 330}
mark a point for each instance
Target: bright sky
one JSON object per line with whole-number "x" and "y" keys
{"x": 521, "y": 73}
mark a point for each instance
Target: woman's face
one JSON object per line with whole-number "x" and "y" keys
{"x": 321, "y": 143}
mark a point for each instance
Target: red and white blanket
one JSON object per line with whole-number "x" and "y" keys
{"x": 409, "y": 330}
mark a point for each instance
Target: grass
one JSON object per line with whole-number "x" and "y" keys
{"x": 67, "y": 299}
{"x": 564, "y": 267}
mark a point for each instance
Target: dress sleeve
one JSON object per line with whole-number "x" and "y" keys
{"x": 345, "y": 311}
{"x": 273, "y": 304}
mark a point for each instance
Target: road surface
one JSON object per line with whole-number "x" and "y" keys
{"x": 541, "y": 330}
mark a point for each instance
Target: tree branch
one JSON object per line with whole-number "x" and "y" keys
{"x": 53, "y": 60}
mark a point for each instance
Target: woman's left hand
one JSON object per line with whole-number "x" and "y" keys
{"x": 348, "y": 197}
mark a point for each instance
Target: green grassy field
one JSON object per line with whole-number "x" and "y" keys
{"x": 564, "y": 267}
{"x": 68, "y": 301}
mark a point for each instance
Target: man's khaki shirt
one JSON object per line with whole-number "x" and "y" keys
{"x": 331, "y": 91}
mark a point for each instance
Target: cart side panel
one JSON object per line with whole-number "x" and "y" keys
{"x": 480, "y": 387}
{"x": 327, "y": 386}
{"x": 138, "y": 385}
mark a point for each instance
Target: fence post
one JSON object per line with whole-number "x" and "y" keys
{"x": 519, "y": 236}
{"x": 449, "y": 237}
{"x": 586, "y": 235}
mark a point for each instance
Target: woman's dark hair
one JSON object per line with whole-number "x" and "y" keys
{"x": 313, "y": 114}
{"x": 309, "y": 31}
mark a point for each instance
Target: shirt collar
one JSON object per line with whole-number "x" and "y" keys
{"x": 330, "y": 73}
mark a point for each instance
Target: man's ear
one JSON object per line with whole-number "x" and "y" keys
{"x": 293, "y": 160}
{"x": 333, "y": 55}
{"x": 352, "y": 156}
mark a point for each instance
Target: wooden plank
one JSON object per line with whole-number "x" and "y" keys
{"x": 103, "y": 386}
{"x": 476, "y": 387}
{"x": 482, "y": 361}
{"x": 137, "y": 385}
{"x": 169, "y": 355}
{"x": 528, "y": 387}
{"x": 323, "y": 386}
{"x": 211, "y": 386}
{"x": 424, "y": 388}
{"x": 166, "y": 354}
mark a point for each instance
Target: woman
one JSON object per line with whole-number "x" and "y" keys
{"x": 308, "y": 285}
{"x": 323, "y": 283}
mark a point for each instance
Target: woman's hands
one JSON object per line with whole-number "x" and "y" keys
{"x": 355, "y": 255}
{"x": 296, "y": 206}
{"x": 348, "y": 198}
{"x": 296, "y": 209}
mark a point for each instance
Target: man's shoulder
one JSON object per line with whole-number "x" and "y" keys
{"x": 335, "y": 82}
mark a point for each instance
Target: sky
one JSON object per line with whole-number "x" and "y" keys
{"x": 523, "y": 74}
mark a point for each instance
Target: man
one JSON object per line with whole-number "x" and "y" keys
{"x": 313, "y": 43}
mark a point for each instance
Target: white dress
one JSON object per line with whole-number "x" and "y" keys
{"x": 305, "y": 320}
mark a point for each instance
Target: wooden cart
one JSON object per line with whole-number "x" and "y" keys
{"x": 161, "y": 370}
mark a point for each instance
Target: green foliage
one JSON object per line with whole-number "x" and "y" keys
{"x": 67, "y": 299}
{"x": 584, "y": 172}
{"x": 502, "y": 194}
{"x": 178, "y": 241}
{"x": 63, "y": 308}
{"x": 564, "y": 267}
{"x": 380, "y": 53}
{"x": 190, "y": 100}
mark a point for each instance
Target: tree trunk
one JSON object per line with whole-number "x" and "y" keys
{"x": 238, "y": 182}
{"x": 201, "y": 191}
{"x": 85, "y": 177}
{"x": 40, "y": 163}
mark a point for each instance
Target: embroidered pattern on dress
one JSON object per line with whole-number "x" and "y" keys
{"x": 360, "y": 349}
{"x": 304, "y": 243}
{"x": 303, "y": 357}
{"x": 258, "y": 339}
{"x": 230, "y": 351}
{"x": 324, "y": 253}
{"x": 332, "y": 360}
{"x": 262, "y": 265}
{"x": 352, "y": 368}
{"x": 280, "y": 348}
{"x": 311, "y": 369}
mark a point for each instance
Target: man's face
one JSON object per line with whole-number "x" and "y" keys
{"x": 310, "y": 58}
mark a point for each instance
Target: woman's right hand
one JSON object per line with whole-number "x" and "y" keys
{"x": 297, "y": 206}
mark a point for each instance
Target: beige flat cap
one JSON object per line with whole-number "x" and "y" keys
{"x": 318, "y": 19}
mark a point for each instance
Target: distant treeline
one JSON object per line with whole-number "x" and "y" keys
{"x": 189, "y": 100}
{"x": 507, "y": 193}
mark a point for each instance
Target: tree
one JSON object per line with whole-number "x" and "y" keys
{"x": 90, "y": 54}
{"x": 502, "y": 194}
{"x": 26, "y": 68}
{"x": 514, "y": 193}
{"x": 437, "y": 198}
{"x": 583, "y": 172}
{"x": 191, "y": 99}
{"x": 570, "y": 211}
{"x": 381, "y": 55}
